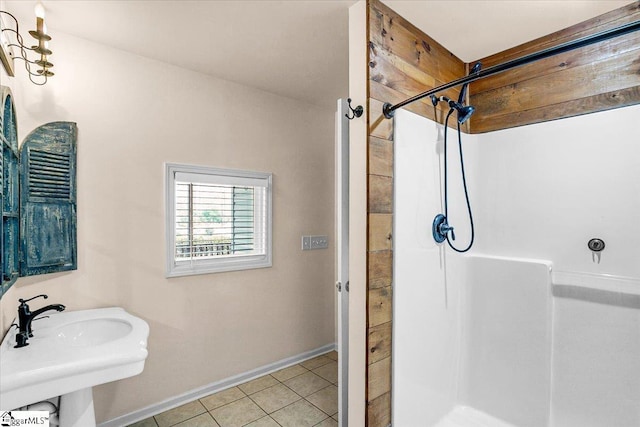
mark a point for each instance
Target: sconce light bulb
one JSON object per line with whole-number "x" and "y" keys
{"x": 39, "y": 10}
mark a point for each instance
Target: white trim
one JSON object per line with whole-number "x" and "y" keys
{"x": 217, "y": 176}
{"x": 263, "y": 180}
{"x": 342, "y": 257}
{"x": 174, "y": 402}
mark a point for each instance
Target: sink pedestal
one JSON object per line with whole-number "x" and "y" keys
{"x": 76, "y": 409}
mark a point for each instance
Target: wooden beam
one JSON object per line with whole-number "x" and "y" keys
{"x": 617, "y": 17}
{"x": 576, "y": 107}
{"x": 593, "y": 78}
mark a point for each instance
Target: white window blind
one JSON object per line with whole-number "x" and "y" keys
{"x": 220, "y": 220}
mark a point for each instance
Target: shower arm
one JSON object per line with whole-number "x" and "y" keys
{"x": 388, "y": 109}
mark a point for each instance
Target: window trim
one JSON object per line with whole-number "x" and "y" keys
{"x": 205, "y": 266}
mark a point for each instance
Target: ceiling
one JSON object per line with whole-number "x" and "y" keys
{"x": 296, "y": 48}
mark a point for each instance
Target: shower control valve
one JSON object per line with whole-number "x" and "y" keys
{"x": 440, "y": 228}
{"x": 445, "y": 228}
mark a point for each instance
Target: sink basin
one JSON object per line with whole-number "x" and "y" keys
{"x": 71, "y": 351}
{"x": 92, "y": 332}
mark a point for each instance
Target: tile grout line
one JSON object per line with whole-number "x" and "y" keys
{"x": 257, "y": 404}
{"x": 304, "y": 398}
{"x": 323, "y": 420}
{"x": 209, "y": 412}
{"x": 329, "y": 416}
{"x": 295, "y": 376}
{"x": 269, "y": 413}
{"x": 300, "y": 397}
{"x": 226, "y": 404}
{"x": 311, "y": 393}
{"x": 186, "y": 419}
{"x": 221, "y": 406}
{"x": 292, "y": 390}
{"x": 268, "y": 416}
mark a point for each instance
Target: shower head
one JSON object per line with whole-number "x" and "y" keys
{"x": 463, "y": 92}
{"x": 464, "y": 111}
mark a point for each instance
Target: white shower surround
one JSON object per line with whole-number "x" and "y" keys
{"x": 485, "y": 333}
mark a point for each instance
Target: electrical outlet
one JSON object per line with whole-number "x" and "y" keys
{"x": 319, "y": 242}
{"x": 306, "y": 243}
{"x": 314, "y": 242}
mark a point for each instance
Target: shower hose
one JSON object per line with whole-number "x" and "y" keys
{"x": 464, "y": 185}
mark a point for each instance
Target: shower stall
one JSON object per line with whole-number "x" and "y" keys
{"x": 538, "y": 325}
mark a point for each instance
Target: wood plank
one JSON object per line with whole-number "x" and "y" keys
{"x": 594, "y": 78}
{"x": 397, "y": 74}
{"x": 380, "y": 306}
{"x": 623, "y": 15}
{"x": 393, "y": 33}
{"x": 578, "y": 82}
{"x": 380, "y": 268}
{"x": 383, "y": 93}
{"x": 559, "y": 63}
{"x": 423, "y": 107}
{"x": 403, "y": 85}
{"x": 379, "y": 381}
{"x": 379, "y": 342}
{"x": 380, "y": 197}
{"x": 379, "y": 126}
{"x": 379, "y": 411}
{"x": 380, "y": 232}
{"x": 380, "y": 10}
{"x": 380, "y": 156}
{"x": 600, "y": 102}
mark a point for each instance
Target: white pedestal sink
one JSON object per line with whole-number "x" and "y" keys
{"x": 70, "y": 353}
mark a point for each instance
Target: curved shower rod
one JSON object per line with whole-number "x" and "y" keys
{"x": 388, "y": 109}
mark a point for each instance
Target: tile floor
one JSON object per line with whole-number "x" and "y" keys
{"x": 302, "y": 395}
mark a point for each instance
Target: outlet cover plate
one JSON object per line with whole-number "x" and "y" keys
{"x": 314, "y": 242}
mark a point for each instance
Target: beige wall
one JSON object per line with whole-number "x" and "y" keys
{"x": 133, "y": 114}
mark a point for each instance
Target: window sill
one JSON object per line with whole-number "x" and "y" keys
{"x": 185, "y": 268}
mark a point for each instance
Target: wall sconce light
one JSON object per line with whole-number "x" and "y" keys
{"x": 42, "y": 48}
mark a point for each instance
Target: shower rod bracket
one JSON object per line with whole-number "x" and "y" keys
{"x": 387, "y": 111}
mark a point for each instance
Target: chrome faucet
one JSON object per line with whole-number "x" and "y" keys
{"x": 25, "y": 317}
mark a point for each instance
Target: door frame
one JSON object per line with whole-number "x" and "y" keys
{"x": 342, "y": 257}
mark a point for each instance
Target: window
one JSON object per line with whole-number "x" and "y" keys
{"x": 217, "y": 220}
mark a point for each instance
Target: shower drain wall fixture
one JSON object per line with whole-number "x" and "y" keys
{"x": 596, "y": 245}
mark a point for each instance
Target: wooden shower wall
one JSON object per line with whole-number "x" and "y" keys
{"x": 403, "y": 61}
{"x": 593, "y": 78}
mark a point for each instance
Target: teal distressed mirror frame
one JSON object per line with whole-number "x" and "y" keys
{"x": 10, "y": 236}
{"x": 38, "y": 232}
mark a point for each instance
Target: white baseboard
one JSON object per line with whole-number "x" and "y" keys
{"x": 173, "y": 402}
